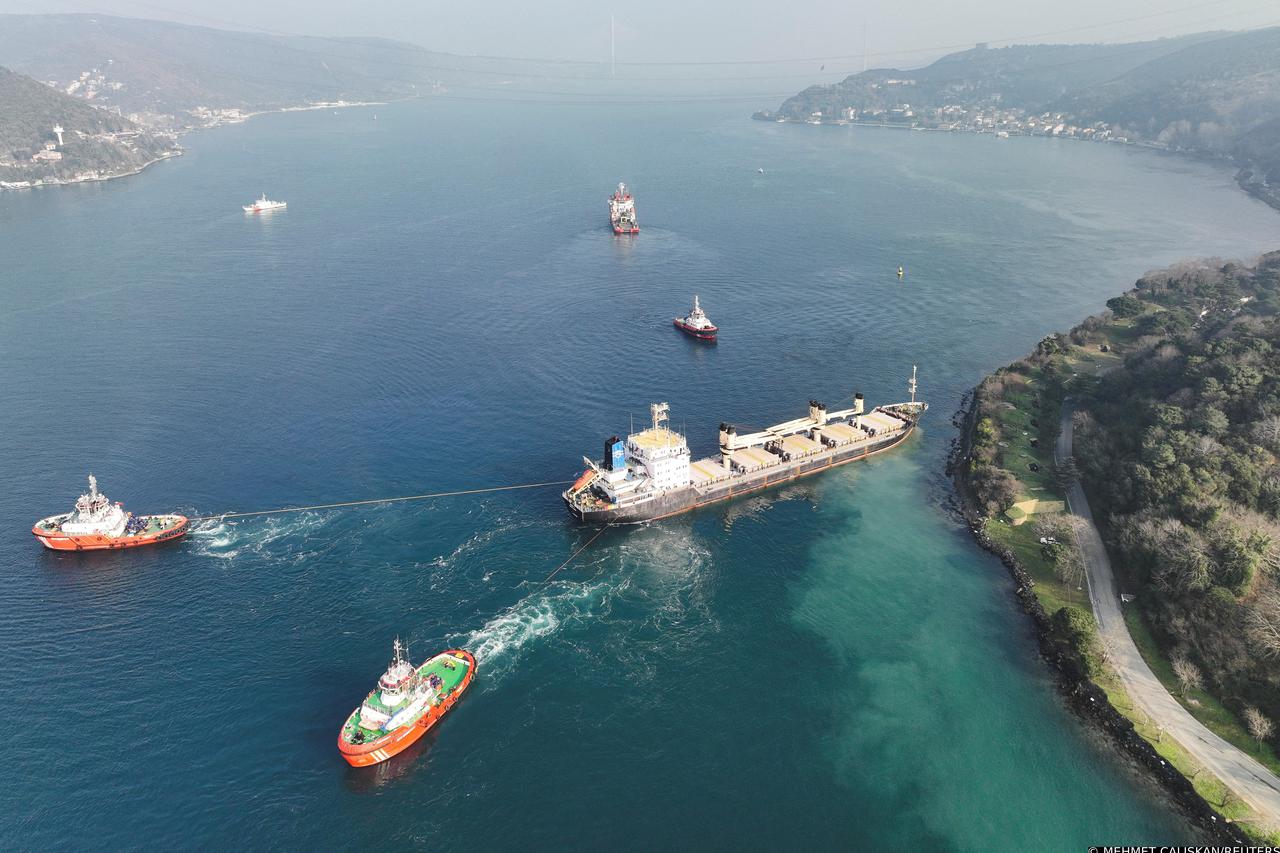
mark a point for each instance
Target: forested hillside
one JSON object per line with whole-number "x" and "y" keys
{"x": 1179, "y": 450}
{"x": 1204, "y": 96}
{"x": 162, "y": 67}
{"x": 1211, "y": 93}
{"x": 94, "y": 140}
{"x": 1030, "y": 77}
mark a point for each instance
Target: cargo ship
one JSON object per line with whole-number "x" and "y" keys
{"x": 651, "y": 474}
{"x": 622, "y": 212}
{"x": 697, "y": 324}
{"x": 97, "y": 524}
{"x": 264, "y": 205}
{"x": 405, "y": 705}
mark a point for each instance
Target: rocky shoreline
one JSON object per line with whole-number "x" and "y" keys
{"x": 1247, "y": 180}
{"x": 1082, "y": 695}
{"x": 87, "y": 177}
{"x": 95, "y": 176}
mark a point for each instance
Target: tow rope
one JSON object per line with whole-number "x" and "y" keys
{"x": 283, "y": 510}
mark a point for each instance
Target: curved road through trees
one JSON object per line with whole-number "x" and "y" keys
{"x": 1250, "y": 781}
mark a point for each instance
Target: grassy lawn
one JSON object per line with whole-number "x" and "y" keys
{"x": 1206, "y": 709}
{"x": 1024, "y": 542}
{"x": 1016, "y": 433}
{"x": 1091, "y": 361}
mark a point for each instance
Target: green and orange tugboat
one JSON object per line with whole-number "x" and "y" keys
{"x": 405, "y": 705}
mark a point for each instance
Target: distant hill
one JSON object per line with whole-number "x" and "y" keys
{"x": 1205, "y": 96}
{"x": 143, "y": 66}
{"x": 1031, "y": 77}
{"x": 96, "y": 143}
{"x": 1211, "y": 93}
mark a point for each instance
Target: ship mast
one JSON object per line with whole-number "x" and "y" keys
{"x": 658, "y": 411}
{"x": 399, "y": 652}
{"x": 911, "y": 386}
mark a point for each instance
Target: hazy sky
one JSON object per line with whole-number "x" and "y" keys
{"x": 899, "y": 32}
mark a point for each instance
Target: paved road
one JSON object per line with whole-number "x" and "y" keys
{"x": 1252, "y": 782}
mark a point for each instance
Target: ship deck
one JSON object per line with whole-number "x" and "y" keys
{"x": 451, "y": 678}
{"x": 754, "y": 462}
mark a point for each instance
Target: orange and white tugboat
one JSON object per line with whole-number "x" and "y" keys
{"x": 697, "y": 323}
{"x": 405, "y": 705}
{"x": 622, "y": 212}
{"x": 97, "y": 524}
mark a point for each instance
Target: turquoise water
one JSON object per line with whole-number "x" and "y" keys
{"x": 833, "y": 665}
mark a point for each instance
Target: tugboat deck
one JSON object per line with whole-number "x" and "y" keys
{"x": 450, "y": 679}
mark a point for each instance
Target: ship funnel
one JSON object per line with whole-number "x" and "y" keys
{"x": 615, "y": 456}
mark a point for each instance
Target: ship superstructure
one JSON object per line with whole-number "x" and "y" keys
{"x": 98, "y": 524}
{"x": 652, "y": 473}
{"x": 622, "y": 212}
{"x": 697, "y": 323}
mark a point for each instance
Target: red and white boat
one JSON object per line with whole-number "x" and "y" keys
{"x": 264, "y": 205}
{"x": 622, "y": 212}
{"x": 697, "y": 324}
{"x": 97, "y": 524}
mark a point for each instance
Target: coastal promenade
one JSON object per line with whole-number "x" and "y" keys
{"x": 1252, "y": 782}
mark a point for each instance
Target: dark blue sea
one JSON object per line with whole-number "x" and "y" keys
{"x": 442, "y": 307}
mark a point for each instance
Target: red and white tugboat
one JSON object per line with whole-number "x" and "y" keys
{"x": 697, "y": 324}
{"x": 622, "y": 212}
{"x": 97, "y": 524}
{"x": 406, "y": 704}
{"x": 264, "y": 205}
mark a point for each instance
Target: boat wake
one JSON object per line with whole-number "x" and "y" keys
{"x": 226, "y": 539}
{"x": 499, "y": 645}
{"x": 655, "y": 586}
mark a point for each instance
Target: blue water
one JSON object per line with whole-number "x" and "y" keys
{"x": 833, "y": 665}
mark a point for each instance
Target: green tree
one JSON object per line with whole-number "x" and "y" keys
{"x": 1125, "y": 306}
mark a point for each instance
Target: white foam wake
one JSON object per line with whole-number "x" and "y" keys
{"x": 497, "y": 645}
{"x": 226, "y": 539}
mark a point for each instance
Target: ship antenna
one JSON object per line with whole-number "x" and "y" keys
{"x": 659, "y": 413}
{"x": 93, "y": 486}
{"x": 911, "y": 386}
{"x": 397, "y": 651}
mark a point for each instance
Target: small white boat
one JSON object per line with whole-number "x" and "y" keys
{"x": 264, "y": 204}
{"x": 760, "y": 170}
